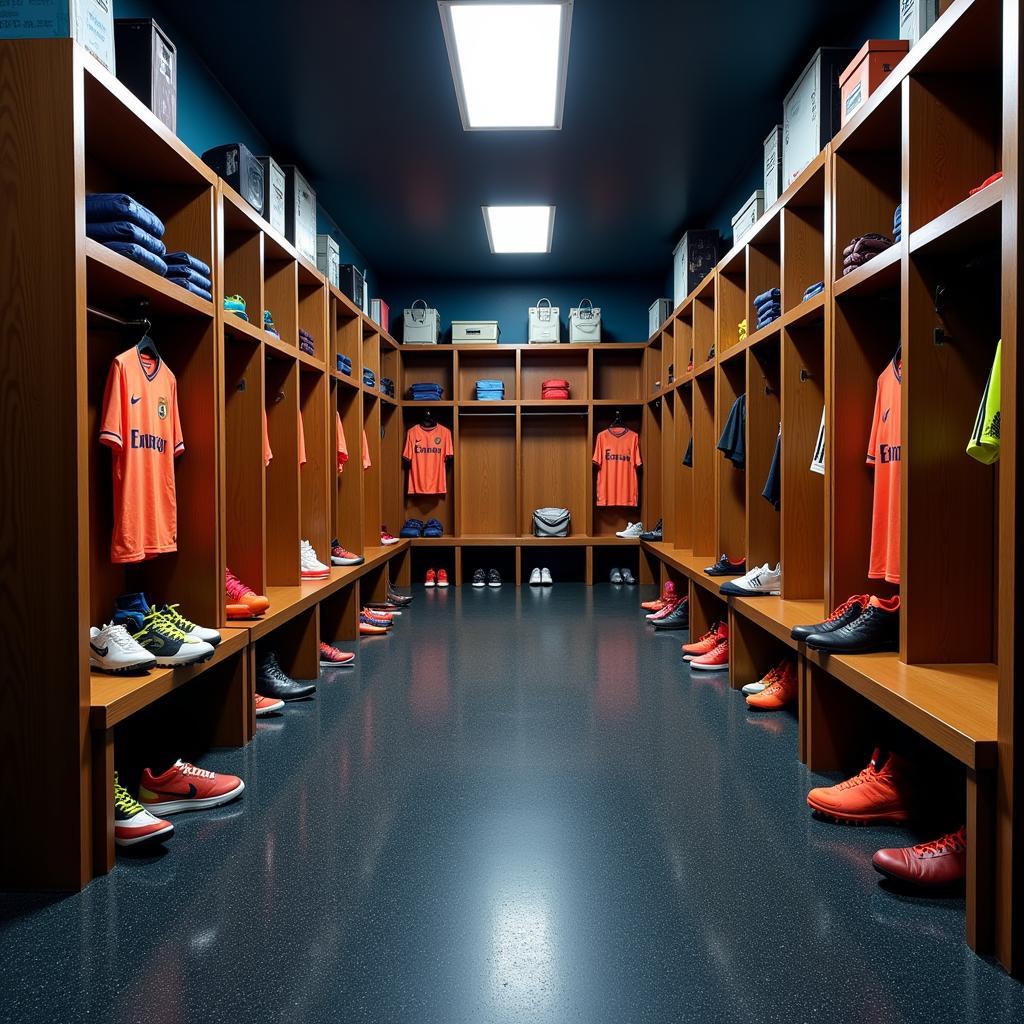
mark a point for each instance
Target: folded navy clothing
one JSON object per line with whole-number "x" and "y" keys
{"x": 814, "y": 289}
{"x": 186, "y": 259}
{"x": 113, "y": 206}
{"x": 125, "y": 231}
{"x": 772, "y": 295}
{"x": 181, "y": 274}
{"x": 203, "y": 293}
{"x": 139, "y": 255}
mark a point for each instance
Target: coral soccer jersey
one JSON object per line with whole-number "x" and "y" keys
{"x": 885, "y": 453}
{"x": 140, "y": 423}
{"x": 426, "y": 448}
{"x": 617, "y": 455}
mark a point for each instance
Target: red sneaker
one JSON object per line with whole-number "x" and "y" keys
{"x": 716, "y": 658}
{"x": 184, "y": 787}
{"x": 668, "y": 594}
{"x": 939, "y": 863}
{"x": 431, "y": 580}
{"x": 385, "y": 538}
{"x": 780, "y": 691}
{"x": 267, "y": 705}
{"x": 340, "y": 555}
{"x": 665, "y": 612}
{"x": 243, "y": 601}
{"x": 375, "y": 618}
{"x": 876, "y": 794}
{"x": 718, "y": 632}
{"x": 442, "y": 578}
{"x": 332, "y": 656}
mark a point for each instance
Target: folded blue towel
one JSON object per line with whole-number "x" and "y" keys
{"x": 125, "y": 231}
{"x": 112, "y": 206}
{"x": 180, "y": 274}
{"x": 772, "y": 295}
{"x": 139, "y": 255}
{"x": 186, "y": 259}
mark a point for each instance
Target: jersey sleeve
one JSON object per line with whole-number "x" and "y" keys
{"x": 341, "y": 444}
{"x": 302, "y": 442}
{"x": 179, "y": 440}
{"x": 407, "y": 451}
{"x": 448, "y": 447}
{"x": 876, "y": 417}
{"x": 112, "y": 425}
{"x": 597, "y": 449}
{"x": 366, "y": 453}
{"x": 637, "y": 461}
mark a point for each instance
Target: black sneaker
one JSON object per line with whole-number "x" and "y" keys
{"x": 615, "y": 576}
{"x": 273, "y": 681}
{"x": 480, "y": 578}
{"x": 877, "y": 629}
{"x": 842, "y": 616}
{"x": 725, "y": 566}
{"x": 655, "y": 534}
{"x": 494, "y": 578}
{"x": 678, "y": 618}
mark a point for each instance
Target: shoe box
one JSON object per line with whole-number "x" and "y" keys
{"x": 235, "y": 163}
{"x": 300, "y": 213}
{"x": 147, "y": 62}
{"x": 274, "y": 189}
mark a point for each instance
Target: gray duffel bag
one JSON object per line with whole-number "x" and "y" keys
{"x": 551, "y": 522}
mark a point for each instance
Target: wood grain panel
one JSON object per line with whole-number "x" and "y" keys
{"x": 556, "y": 466}
{"x": 486, "y": 474}
{"x": 315, "y": 476}
{"x": 282, "y": 475}
{"x": 705, "y": 495}
{"x": 803, "y": 252}
{"x": 763, "y": 419}
{"x": 731, "y": 382}
{"x": 281, "y": 298}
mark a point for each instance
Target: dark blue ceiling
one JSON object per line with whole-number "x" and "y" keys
{"x": 667, "y": 103}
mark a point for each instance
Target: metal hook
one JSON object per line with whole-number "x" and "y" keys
{"x": 805, "y": 375}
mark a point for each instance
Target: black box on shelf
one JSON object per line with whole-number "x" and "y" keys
{"x": 147, "y": 62}
{"x": 240, "y": 169}
{"x": 351, "y": 283}
{"x": 300, "y": 213}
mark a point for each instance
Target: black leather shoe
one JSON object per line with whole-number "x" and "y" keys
{"x": 725, "y": 566}
{"x": 877, "y": 629}
{"x": 272, "y": 681}
{"x": 678, "y": 618}
{"x": 842, "y": 616}
{"x": 655, "y": 534}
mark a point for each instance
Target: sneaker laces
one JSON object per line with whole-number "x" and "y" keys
{"x": 868, "y": 774}
{"x": 123, "y": 800}
{"x": 190, "y": 769}
{"x": 235, "y": 587}
{"x": 954, "y": 842}
{"x": 156, "y": 620}
{"x": 709, "y": 635}
{"x": 171, "y": 613}
{"x": 843, "y": 609}
{"x": 119, "y": 636}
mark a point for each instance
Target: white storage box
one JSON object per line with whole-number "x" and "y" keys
{"x": 692, "y": 260}
{"x": 749, "y": 214}
{"x": 274, "y": 189}
{"x": 544, "y": 325}
{"x": 90, "y": 22}
{"x": 657, "y": 315}
{"x": 328, "y": 258}
{"x": 300, "y": 214}
{"x": 420, "y": 324}
{"x": 475, "y": 332}
{"x": 773, "y": 166}
{"x": 585, "y": 322}
{"x": 916, "y": 17}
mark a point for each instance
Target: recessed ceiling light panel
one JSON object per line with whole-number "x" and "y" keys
{"x": 508, "y": 61}
{"x": 519, "y": 228}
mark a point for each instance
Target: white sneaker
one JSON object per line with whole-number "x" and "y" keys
{"x": 312, "y": 567}
{"x": 535, "y": 578}
{"x": 545, "y": 578}
{"x": 631, "y": 532}
{"x": 761, "y": 581}
{"x": 195, "y": 634}
{"x": 755, "y": 687}
{"x": 112, "y": 649}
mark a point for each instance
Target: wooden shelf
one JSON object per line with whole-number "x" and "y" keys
{"x": 511, "y": 540}
{"x": 242, "y": 328}
{"x": 975, "y": 222}
{"x": 811, "y": 311}
{"x": 877, "y": 275}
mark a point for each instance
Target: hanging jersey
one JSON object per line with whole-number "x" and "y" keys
{"x": 140, "y": 424}
{"x": 617, "y": 455}
{"x": 818, "y": 458}
{"x": 885, "y": 453}
{"x": 302, "y": 443}
{"x": 267, "y": 453}
{"x": 426, "y": 449}
{"x": 984, "y": 443}
{"x": 341, "y": 445}
{"x": 366, "y": 453}
{"x": 733, "y": 442}
{"x": 772, "y": 492}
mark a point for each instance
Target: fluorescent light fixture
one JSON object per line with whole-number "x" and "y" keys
{"x": 508, "y": 61}
{"x": 519, "y": 228}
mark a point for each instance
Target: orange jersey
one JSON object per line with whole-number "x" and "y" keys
{"x": 267, "y": 453}
{"x": 426, "y": 450}
{"x": 341, "y": 445}
{"x": 617, "y": 455}
{"x": 885, "y": 453}
{"x": 302, "y": 443}
{"x": 140, "y": 423}
{"x": 366, "y": 453}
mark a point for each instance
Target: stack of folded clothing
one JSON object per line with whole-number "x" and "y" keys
{"x": 387, "y": 387}
{"x": 235, "y": 304}
{"x": 190, "y": 273}
{"x": 490, "y": 390}
{"x": 127, "y": 227}
{"x": 862, "y": 249}
{"x": 768, "y": 307}
{"x": 369, "y": 378}
{"x": 306, "y": 342}
{"x": 425, "y": 391}
{"x": 813, "y": 289}
{"x": 897, "y": 223}
{"x": 741, "y": 329}
{"x": 554, "y": 389}
{"x": 345, "y": 364}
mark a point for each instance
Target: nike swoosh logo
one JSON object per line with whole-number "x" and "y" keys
{"x": 136, "y": 399}
{"x": 181, "y": 794}
{"x": 102, "y": 652}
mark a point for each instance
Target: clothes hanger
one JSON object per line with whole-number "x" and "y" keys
{"x": 616, "y": 420}
{"x": 428, "y": 420}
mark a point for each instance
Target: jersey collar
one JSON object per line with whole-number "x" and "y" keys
{"x": 156, "y": 369}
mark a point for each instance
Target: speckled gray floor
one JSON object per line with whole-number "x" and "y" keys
{"x": 519, "y": 808}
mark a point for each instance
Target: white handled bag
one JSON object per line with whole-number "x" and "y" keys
{"x": 544, "y": 325}
{"x": 585, "y": 322}
{"x": 420, "y": 324}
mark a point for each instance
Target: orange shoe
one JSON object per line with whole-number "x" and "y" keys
{"x": 717, "y": 659}
{"x": 782, "y": 689}
{"x": 668, "y": 596}
{"x": 442, "y": 578}
{"x": 877, "y": 794}
{"x": 243, "y": 601}
{"x": 940, "y": 863}
{"x": 267, "y": 705}
{"x": 707, "y": 643}
{"x": 365, "y": 629}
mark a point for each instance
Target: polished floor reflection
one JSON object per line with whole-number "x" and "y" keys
{"x": 518, "y": 808}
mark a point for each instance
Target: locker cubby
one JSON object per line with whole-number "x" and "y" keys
{"x": 680, "y": 531}
{"x": 348, "y": 497}
{"x": 732, "y": 533}
{"x": 389, "y": 367}
{"x": 802, "y": 241}
{"x": 492, "y": 364}
{"x": 609, "y": 519}
{"x": 429, "y": 506}
{"x": 314, "y": 474}
{"x": 539, "y": 366}
{"x": 433, "y": 365}
{"x": 436, "y": 556}
{"x": 617, "y": 375}
{"x": 281, "y": 377}
{"x": 752, "y": 652}
{"x": 372, "y": 510}
{"x": 732, "y": 302}
{"x": 764, "y": 266}
{"x": 703, "y": 472}
{"x": 371, "y": 351}
{"x": 568, "y": 563}
{"x": 346, "y": 339}
{"x": 706, "y": 608}
{"x": 311, "y": 310}
{"x": 555, "y": 467}
{"x": 243, "y": 263}
{"x": 665, "y": 509}
{"x": 391, "y": 444}
{"x": 280, "y": 292}
{"x": 502, "y": 558}
{"x": 651, "y": 471}
{"x": 486, "y": 473}
{"x": 682, "y": 344}
{"x": 653, "y": 365}
{"x": 764, "y": 416}
{"x": 615, "y": 556}
{"x": 704, "y": 327}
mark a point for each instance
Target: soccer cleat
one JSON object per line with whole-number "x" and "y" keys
{"x": 677, "y": 618}
{"x": 267, "y": 705}
{"x": 628, "y": 578}
{"x": 268, "y": 324}
{"x": 876, "y": 629}
{"x": 385, "y": 538}
{"x": 718, "y": 632}
{"x": 545, "y": 577}
{"x": 716, "y": 658}
{"x": 133, "y": 824}
{"x": 431, "y": 578}
{"x": 667, "y": 610}
{"x": 615, "y": 576}
{"x": 311, "y": 566}
{"x": 494, "y": 578}
{"x": 653, "y": 535}
{"x": 876, "y": 794}
{"x": 184, "y": 787}
{"x": 331, "y": 656}
{"x": 162, "y": 639}
{"x": 340, "y": 555}
{"x": 442, "y": 578}
{"x": 112, "y": 649}
{"x": 762, "y": 581}
{"x": 480, "y": 578}
{"x": 782, "y": 690}
{"x": 244, "y": 602}
{"x": 190, "y": 629}
{"x": 668, "y": 593}
{"x": 368, "y": 629}
{"x": 935, "y": 864}
{"x": 273, "y": 681}
{"x": 852, "y": 608}
{"x": 631, "y": 532}
{"x": 535, "y": 578}
{"x": 725, "y": 566}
